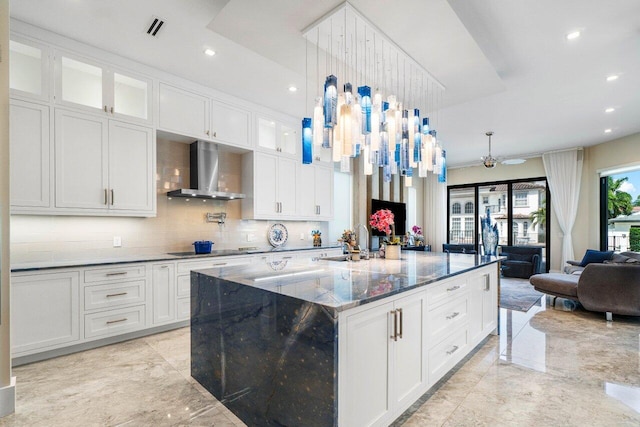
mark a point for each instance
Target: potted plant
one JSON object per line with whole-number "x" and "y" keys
{"x": 383, "y": 220}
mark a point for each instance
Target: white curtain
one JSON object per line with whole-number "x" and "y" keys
{"x": 564, "y": 173}
{"x": 435, "y": 212}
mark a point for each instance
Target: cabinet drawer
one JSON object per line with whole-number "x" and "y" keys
{"x": 114, "y": 294}
{"x": 114, "y": 273}
{"x": 440, "y": 293}
{"x": 114, "y": 322}
{"x": 185, "y": 267}
{"x": 446, "y": 318}
{"x": 184, "y": 285}
{"x": 445, "y": 355}
{"x": 184, "y": 308}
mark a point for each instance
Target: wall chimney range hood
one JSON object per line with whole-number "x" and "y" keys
{"x": 204, "y": 175}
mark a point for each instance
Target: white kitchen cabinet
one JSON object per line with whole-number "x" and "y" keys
{"x": 275, "y": 187}
{"x": 45, "y": 311}
{"x": 274, "y": 135}
{"x": 88, "y": 85}
{"x": 483, "y": 314}
{"x": 30, "y": 145}
{"x": 103, "y": 165}
{"x": 315, "y": 192}
{"x": 29, "y": 69}
{"x": 163, "y": 293}
{"x": 385, "y": 368}
{"x": 196, "y": 115}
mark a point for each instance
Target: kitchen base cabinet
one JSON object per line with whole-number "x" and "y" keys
{"x": 114, "y": 322}
{"x": 45, "y": 311}
{"x": 163, "y": 293}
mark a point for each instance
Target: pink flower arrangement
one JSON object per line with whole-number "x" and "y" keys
{"x": 382, "y": 220}
{"x": 416, "y": 229}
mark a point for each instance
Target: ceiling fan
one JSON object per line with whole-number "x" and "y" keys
{"x": 489, "y": 161}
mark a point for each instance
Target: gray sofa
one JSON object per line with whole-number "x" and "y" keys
{"x": 576, "y": 267}
{"x": 612, "y": 288}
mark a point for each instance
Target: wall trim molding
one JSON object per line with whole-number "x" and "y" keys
{"x": 8, "y": 398}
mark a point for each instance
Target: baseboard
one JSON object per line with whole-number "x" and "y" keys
{"x": 8, "y": 398}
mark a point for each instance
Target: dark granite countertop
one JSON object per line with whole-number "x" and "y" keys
{"x": 87, "y": 261}
{"x": 343, "y": 285}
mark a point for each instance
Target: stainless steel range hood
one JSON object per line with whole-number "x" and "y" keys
{"x": 204, "y": 175}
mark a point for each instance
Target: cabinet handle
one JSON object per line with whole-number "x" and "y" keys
{"x": 105, "y": 108}
{"x": 453, "y": 315}
{"x": 117, "y": 295}
{"x": 164, "y": 266}
{"x": 106, "y": 197}
{"x": 317, "y": 158}
{"x": 109, "y": 322}
{"x": 113, "y": 110}
{"x": 207, "y": 132}
{"x": 487, "y": 283}
{"x": 453, "y": 350}
{"x": 215, "y": 134}
{"x": 119, "y": 273}
{"x": 395, "y": 325}
{"x": 401, "y": 323}
{"x": 453, "y": 288}
{"x": 219, "y": 264}
{"x": 112, "y": 196}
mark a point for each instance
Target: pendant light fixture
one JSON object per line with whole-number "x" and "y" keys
{"x": 489, "y": 161}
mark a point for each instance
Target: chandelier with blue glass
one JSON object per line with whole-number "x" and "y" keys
{"x": 386, "y": 129}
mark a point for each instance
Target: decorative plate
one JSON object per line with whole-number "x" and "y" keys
{"x": 278, "y": 235}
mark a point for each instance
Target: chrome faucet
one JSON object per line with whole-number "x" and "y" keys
{"x": 366, "y": 233}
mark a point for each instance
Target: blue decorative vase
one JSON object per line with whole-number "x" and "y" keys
{"x": 490, "y": 235}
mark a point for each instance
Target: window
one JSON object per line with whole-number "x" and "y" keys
{"x": 468, "y": 228}
{"x": 468, "y": 208}
{"x": 456, "y": 208}
{"x": 521, "y": 199}
{"x": 455, "y": 226}
{"x": 485, "y": 200}
{"x": 525, "y": 228}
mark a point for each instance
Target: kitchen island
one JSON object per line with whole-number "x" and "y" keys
{"x": 318, "y": 343}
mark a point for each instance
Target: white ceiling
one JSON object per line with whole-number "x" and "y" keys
{"x": 506, "y": 65}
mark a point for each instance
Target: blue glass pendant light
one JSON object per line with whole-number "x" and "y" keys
{"x": 365, "y": 104}
{"x": 330, "y": 101}
{"x": 307, "y": 141}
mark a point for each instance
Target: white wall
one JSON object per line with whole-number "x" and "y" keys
{"x": 7, "y": 390}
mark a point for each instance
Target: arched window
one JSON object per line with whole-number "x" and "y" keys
{"x": 468, "y": 208}
{"x": 456, "y": 208}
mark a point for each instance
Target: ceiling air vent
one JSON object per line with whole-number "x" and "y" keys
{"x": 156, "y": 24}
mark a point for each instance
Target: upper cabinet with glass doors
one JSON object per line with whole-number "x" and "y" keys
{"x": 84, "y": 84}
{"x": 277, "y": 136}
{"x": 28, "y": 69}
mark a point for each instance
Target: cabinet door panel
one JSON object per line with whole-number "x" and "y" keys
{"x": 80, "y": 83}
{"x": 131, "y": 174}
{"x": 324, "y": 192}
{"x": 29, "y": 69}
{"x": 229, "y": 124}
{"x": 306, "y": 191}
{"x": 410, "y": 372}
{"x": 30, "y": 154}
{"x": 81, "y": 173}
{"x": 131, "y": 96}
{"x": 163, "y": 293}
{"x": 45, "y": 311}
{"x": 367, "y": 377}
{"x": 183, "y": 112}
{"x": 265, "y": 185}
{"x": 289, "y": 139}
{"x": 287, "y": 186}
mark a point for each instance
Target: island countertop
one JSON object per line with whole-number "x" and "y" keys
{"x": 342, "y": 285}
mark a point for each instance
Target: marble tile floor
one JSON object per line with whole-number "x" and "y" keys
{"x": 548, "y": 367}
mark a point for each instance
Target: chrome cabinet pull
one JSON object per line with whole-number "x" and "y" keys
{"x": 117, "y": 295}
{"x": 219, "y": 264}
{"x": 106, "y": 197}
{"x": 112, "y": 196}
{"x": 207, "y": 132}
{"x": 164, "y": 266}
{"x": 109, "y": 322}
{"x": 119, "y": 273}
{"x": 105, "y": 108}
{"x": 453, "y": 350}
{"x": 112, "y": 110}
{"x": 487, "y": 283}
{"x": 453, "y": 288}
{"x": 395, "y": 325}
{"x": 401, "y": 323}
{"x": 453, "y": 315}
{"x": 215, "y": 134}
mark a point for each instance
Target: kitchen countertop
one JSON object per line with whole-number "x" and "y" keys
{"x": 169, "y": 256}
{"x": 342, "y": 285}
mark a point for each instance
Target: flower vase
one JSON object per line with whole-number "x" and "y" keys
{"x": 317, "y": 241}
{"x": 392, "y": 251}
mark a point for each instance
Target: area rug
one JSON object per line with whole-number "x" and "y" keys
{"x": 517, "y": 294}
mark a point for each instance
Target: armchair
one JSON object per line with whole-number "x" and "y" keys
{"x": 522, "y": 261}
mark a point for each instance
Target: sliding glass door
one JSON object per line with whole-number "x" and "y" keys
{"x": 518, "y": 208}
{"x": 620, "y": 210}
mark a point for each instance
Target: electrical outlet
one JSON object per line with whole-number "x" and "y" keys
{"x": 251, "y": 237}
{"x": 301, "y": 236}
{"x": 117, "y": 241}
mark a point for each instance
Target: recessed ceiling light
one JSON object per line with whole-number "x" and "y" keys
{"x": 607, "y": 131}
{"x": 292, "y": 88}
{"x": 610, "y": 110}
{"x": 612, "y": 77}
{"x": 209, "y": 52}
{"x": 573, "y": 35}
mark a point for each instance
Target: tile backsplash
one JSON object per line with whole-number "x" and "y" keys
{"x": 177, "y": 225}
